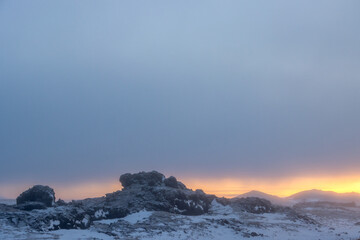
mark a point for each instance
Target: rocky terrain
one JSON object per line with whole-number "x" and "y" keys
{"x": 151, "y": 206}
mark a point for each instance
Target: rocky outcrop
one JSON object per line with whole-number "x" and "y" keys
{"x": 153, "y": 192}
{"x": 142, "y": 178}
{"x": 151, "y": 179}
{"x": 253, "y": 205}
{"x": 37, "y": 197}
{"x": 150, "y": 191}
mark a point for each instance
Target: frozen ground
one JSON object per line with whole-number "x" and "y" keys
{"x": 222, "y": 222}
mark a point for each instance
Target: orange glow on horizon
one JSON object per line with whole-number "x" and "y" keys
{"x": 280, "y": 187}
{"x": 224, "y": 187}
{"x": 87, "y": 190}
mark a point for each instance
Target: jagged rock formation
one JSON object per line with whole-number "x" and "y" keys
{"x": 152, "y": 191}
{"x": 151, "y": 179}
{"x": 37, "y": 197}
{"x": 149, "y": 191}
{"x": 145, "y": 190}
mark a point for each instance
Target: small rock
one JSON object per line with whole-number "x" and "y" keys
{"x": 38, "y": 195}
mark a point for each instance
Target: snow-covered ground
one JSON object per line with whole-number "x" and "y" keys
{"x": 222, "y": 222}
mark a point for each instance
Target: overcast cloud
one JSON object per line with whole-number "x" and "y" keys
{"x": 92, "y": 89}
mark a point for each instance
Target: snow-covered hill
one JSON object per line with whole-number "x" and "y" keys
{"x": 315, "y": 195}
{"x": 151, "y": 206}
{"x": 221, "y": 222}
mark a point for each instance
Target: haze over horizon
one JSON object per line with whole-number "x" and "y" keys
{"x": 226, "y": 96}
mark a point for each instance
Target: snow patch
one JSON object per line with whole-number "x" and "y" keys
{"x": 101, "y": 213}
{"x": 80, "y": 234}
{"x": 86, "y": 220}
{"x": 218, "y": 208}
{"x": 108, "y": 221}
{"x": 54, "y": 224}
{"x": 138, "y": 217}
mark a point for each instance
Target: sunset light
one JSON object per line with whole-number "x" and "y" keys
{"x": 180, "y": 120}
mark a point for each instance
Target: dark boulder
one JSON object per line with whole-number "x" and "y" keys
{"x": 37, "y": 197}
{"x": 253, "y": 205}
{"x": 153, "y": 178}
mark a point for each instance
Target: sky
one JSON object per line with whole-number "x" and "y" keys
{"x": 256, "y": 94}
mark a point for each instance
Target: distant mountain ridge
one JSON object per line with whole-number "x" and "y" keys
{"x": 272, "y": 198}
{"x": 313, "y": 195}
{"x": 316, "y": 195}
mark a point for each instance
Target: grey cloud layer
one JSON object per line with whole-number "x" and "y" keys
{"x": 89, "y": 89}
